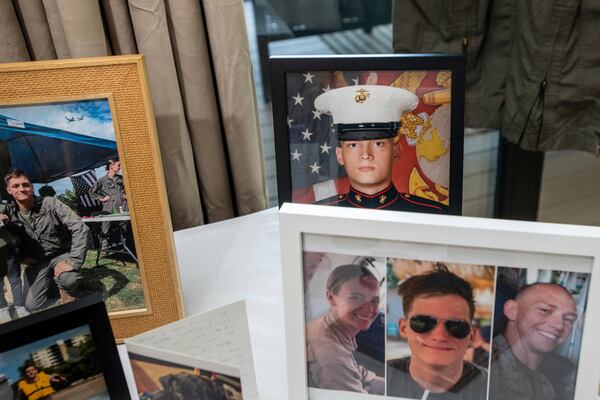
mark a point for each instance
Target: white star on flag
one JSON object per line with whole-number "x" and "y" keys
{"x": 317, "y": 114}
{"x": 297, "y": 99}
{"x": 314, "y": 168}
{"x": 355, "y": 80}
{"x": 306, "y": 134}
{"x": 289, "y": 122}
{"x": 325, "y": 148}
{"x": 296, "y": 155}
{"x": 308, "y": 77}
{"x": 326, "y": 88}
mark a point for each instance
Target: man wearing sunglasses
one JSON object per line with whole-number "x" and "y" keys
{"x": 438, "y": 308}
{"x": 524, "y": 365}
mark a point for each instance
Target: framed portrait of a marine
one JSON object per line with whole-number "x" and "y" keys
{"x": 83, "y": 201}
{"x": 399, "y": 305}
{"x": 370, "y": 131}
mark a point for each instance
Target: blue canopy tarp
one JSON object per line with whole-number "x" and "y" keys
{"x": 48, "y": 154}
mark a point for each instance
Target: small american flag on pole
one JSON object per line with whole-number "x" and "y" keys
{"x": 82, "y": 184}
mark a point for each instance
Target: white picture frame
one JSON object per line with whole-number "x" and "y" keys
{"x": 452, "y": 239}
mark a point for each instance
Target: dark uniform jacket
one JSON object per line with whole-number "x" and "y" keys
{"x": 510, "y": 379}
{"x": 388, "y": 199}
{"x": 531, "y": 65}
{"x": 54, "y": 229}
{"x": 472, "y": 385}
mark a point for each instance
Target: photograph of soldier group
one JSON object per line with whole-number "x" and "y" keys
{"x": 65, "y": 229}
{"x": 437, "y": 341}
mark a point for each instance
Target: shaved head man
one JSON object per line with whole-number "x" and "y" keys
{"x": 539, "y": 319}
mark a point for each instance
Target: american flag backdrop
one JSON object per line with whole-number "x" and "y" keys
{"x": 315, "y": 171}
{"x": 313, "y": 139}
{"x": 82, "y": 184}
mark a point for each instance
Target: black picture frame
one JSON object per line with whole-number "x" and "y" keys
{"x": 282, "y": 66}
{"x": 89, "y": 311}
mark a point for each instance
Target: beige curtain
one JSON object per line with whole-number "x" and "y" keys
{"x": 201, "y": 82}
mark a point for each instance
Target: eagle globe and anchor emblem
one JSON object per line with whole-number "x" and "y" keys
{"x": 361, "y": 95}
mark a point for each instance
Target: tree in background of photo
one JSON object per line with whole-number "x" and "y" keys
{"x": 70, "y": 198}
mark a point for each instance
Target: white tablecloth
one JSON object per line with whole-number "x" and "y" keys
{"x": 238, "y": 259}
{"x": 107, "y": 218}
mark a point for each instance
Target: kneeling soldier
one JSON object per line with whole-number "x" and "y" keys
{"x": 53, "y": 240}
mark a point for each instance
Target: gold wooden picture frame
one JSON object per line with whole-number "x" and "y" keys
{"x": 80, "y": 89}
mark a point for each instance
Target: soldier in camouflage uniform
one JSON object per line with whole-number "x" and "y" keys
{"x": 53, "y": 241}
{"x": 109, "y": 190}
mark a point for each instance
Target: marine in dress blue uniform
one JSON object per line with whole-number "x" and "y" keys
{"x": 388, "y": 199}
{"x": 367, "y": 120}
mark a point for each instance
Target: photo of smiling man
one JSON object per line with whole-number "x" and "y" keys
{"x": 344, "y": 333}
{"x": 440, "y": 328}
{"x": 535, "y": 354}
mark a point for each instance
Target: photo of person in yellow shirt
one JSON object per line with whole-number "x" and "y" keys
{"x": 36, "y": 384}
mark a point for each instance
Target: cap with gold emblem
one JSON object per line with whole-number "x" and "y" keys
{"x": 366, "y": 112}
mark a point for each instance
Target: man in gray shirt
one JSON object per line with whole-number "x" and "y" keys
{"x": 53, "y": 241}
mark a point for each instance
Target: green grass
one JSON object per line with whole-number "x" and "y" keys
{"x": 117, "y": 278}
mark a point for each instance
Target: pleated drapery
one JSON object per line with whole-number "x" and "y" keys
{"x": 200, "y": 76}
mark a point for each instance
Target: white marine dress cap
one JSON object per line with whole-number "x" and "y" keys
{"x": 365, "y": 112}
